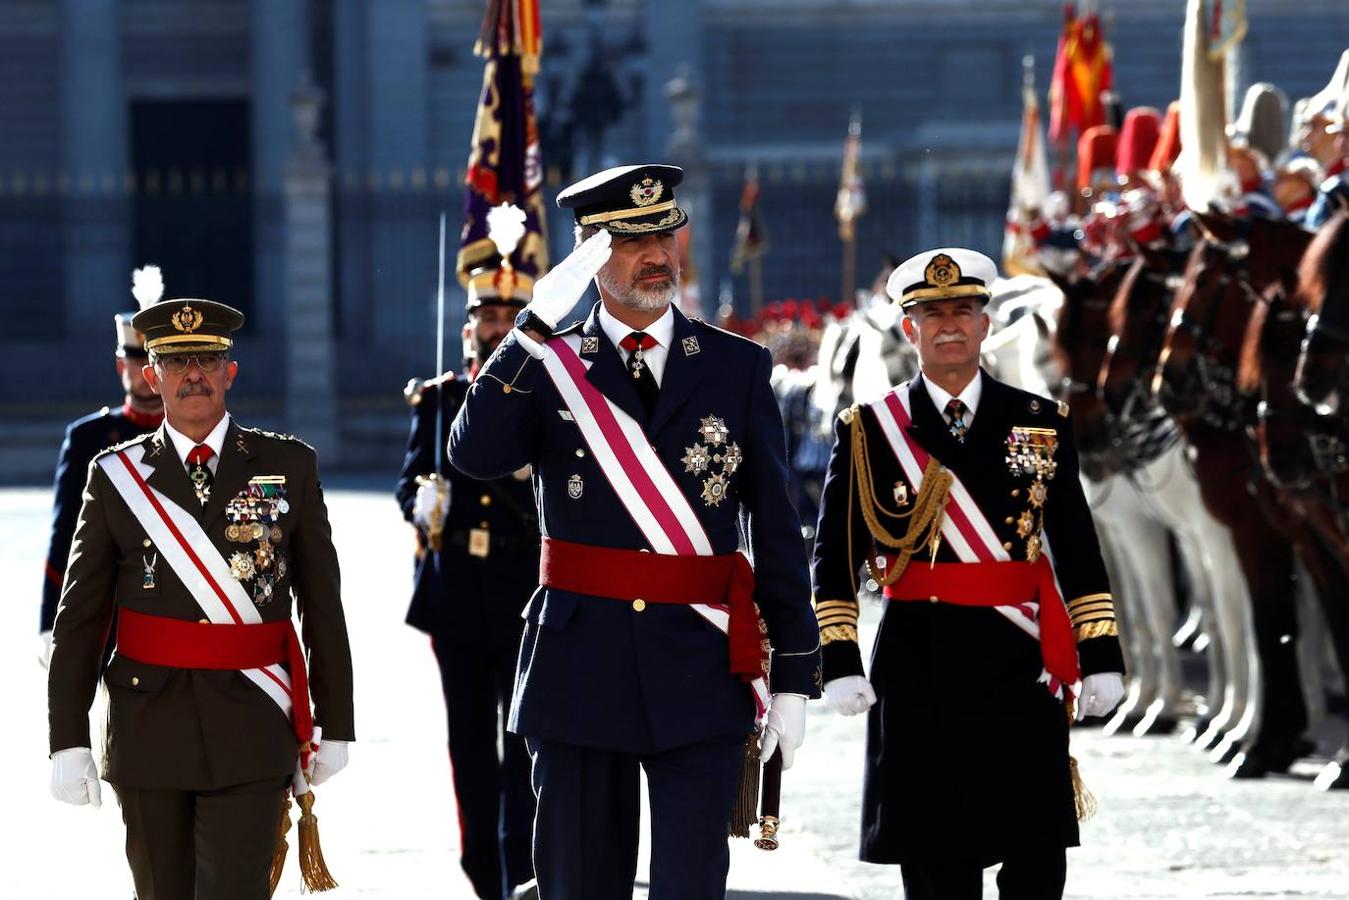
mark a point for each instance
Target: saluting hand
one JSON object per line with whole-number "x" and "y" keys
{"x": 556, "y": 293}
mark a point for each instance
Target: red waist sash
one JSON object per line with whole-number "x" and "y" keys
{"x": 1000, "y": 584}
{"x": 726, "y": 579}
{"x": 179, "y": 644}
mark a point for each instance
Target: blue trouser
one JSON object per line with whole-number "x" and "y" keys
{"x": 496, "y": 806}
{"x": 585, "y": 833}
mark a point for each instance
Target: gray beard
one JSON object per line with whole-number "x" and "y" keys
{"x": 639, "y": 298}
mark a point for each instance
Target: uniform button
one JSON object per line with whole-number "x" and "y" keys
{"x": 147, "y": 542}
{"x": 933, "y": 598}
{"x": 580, "y": 452}
{"x": 485, "y": 499}
{"x": 203, "y": 621}
{"x": 482, "y": 525}
{"x": 135, "y": 680}
{"x": 505, "y": 389}
{"x": 638, "y": 605}
{"x": 1016, "y": 492}
{"x": 1007, "y": 521}
{"x": 644, "y": 550}
{"x": 1007, "y": 545}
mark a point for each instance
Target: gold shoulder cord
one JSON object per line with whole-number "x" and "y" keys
{"x": 925, "y": 517}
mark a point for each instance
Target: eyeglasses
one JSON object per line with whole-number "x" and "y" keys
{"x": 177, "y": 364}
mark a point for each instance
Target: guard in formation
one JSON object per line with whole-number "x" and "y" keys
{"x": 959, "y": 496}
{"x": 657, "y": 451}
{"x": 477, "y": 563}
{"x": 140, "y": 413}
{"x": 198, "y": 536}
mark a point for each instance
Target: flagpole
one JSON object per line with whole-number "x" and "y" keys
{"x": 849, "y": 265}
{"x": 756, "y": 285}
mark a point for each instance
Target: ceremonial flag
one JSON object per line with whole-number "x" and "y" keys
{"x": 1203, "y": 117}
{"x": 751, "y": 237}
{"x": 852, "y": 197}
{"x": 503, "y": 163}
{"x": 1030, "y": 184}
{"x": 1082, "y": 71}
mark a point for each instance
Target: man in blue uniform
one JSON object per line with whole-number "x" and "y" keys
{"x": 960, "y": 495}
{"x": 141, "y": 412}
{"x": 658, "y": 452}
{"x": 478, "y": 555}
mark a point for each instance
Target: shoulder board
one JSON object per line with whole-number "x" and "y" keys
{"x": 1063, "y": 408}
{"x": 130, "y": 442}
{"x": 416, "y": 387}
{"x": 274, "y": 435}
{"x": 847, "y": 415}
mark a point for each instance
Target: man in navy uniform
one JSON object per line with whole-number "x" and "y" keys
{"x": 960, "y": 496}
{"x": 658, "y": 452}
{"x": 141, "y": 412}
{"x": 478, "y": 555}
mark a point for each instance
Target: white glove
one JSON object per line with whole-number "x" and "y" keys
{"x": 556, "y": 293}
{"x": 75, "y": 777}
{"x": 849, "y": 695}
{"x": 1101, "y": 693}
{"x": 44, "y": 654}
{"x": 784, "y": 727}
{"x": 426, "y": 506}
{"x": 330, "y": 759}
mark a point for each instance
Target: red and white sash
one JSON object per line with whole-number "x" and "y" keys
{"x": 965, "y": 527}
{"x": 188, "y": 551}
{"x": 629, "y": 463}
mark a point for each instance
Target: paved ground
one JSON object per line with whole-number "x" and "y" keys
{"x": 1170, "y": 825}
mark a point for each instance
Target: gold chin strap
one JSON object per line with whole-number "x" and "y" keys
{"x": 924, "y": 517}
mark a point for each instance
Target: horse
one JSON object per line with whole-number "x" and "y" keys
{"x": 1322, "y": 377}
{"x": 1195, "y": 379}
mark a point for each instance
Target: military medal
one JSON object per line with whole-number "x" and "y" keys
{"x": 1025, "y": 524}
{"x": 714, "y": 448}
{"x": 149, "y": 564}
{"x": 1030, "y": 454}
{"x": 479, "y": 542}
{"x": 695, "y": 459}
{"x": 274, "y": 533}
{"x": 901, "y": 493}
{"x": 200, "y": 475}
{"x": 713, "y": 430}
{"x": 232, "y": 532}
{"x": 574, "y": 487}
{"x": 714, "y": 490}
{"x": 241, "y": 567}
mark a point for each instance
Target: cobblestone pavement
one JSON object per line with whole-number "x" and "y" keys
{"x": 1170, "y": 825}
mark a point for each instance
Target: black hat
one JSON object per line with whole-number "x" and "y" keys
{"x": 627, "y": 199}
{"x": 187, "y": 326}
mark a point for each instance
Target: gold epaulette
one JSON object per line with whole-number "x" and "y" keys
{"x": 1093, "y": 616}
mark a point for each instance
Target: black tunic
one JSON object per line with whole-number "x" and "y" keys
{"x": 967, "y": 755}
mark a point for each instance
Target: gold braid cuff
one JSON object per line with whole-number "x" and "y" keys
{"x": 834, "y": 633}
{"x": 924, "y": 517}
{"x": 1102, "y": 628}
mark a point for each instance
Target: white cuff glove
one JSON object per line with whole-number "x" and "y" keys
{"x": 784, "y": 727}
{"x": 330, "y": 759}
{"x": 426, "y": 506}
{"x": 849, "y": 695}
{"x": 75, "y": 777}
{"x": 556, "y": 293}
{"x": 1101, "y": 693}
{"x": 44, "y": 653}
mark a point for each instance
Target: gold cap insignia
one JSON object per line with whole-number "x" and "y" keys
{"x": 646, "y": 192}
{"x": 942, "y": 271}
{"x": 187, "y": 319}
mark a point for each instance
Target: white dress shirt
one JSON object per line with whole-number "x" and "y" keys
{"x": 662, "y": 330}
{"x": 215, "y": 440}
{"x": 969, "y": 396}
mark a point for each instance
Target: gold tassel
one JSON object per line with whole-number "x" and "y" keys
{"x": 282, "y": 848}
{"x": 1083, "y": 801}
{"x": 312, "y": 867}
{"x": 746, "y": 811}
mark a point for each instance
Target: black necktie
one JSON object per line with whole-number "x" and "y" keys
{"x": 637, "y": 344}
{"x": 955, "y": 419}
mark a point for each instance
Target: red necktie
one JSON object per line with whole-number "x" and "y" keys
{"x": 199, "y": 472}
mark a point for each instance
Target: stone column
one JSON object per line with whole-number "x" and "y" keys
{"x": 685, "y": 149}
{"x": 280, "y": 44}
{"x": 92, "y": 167}
{"x": 311, "y": 348}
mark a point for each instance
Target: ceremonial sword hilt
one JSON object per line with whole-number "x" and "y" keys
{"x": 435, "y": 523}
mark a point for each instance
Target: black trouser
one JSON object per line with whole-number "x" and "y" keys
{"x": 496, "y": 805}
{"x": 202, "y": 845}
{"x": 1037, "y": 875}
{"x": 585, "y": 842}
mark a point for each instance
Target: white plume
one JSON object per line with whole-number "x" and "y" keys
{"x": 147, "y": 286}
{"x": 505, "y": 227}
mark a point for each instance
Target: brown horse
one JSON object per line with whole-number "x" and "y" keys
{"x": 1225, "y": 283}
{"x": 1322, "y": 378}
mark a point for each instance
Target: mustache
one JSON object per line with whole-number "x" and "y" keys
{"x": 948, "y": 339}
{"x": 194, "y": 388}
{"x": 654, "y": 270}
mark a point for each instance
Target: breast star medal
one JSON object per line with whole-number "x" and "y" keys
{"x": 714, "y": 450}
{"x": 1030, "y": 454}
{"x": 241, "y": 567}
